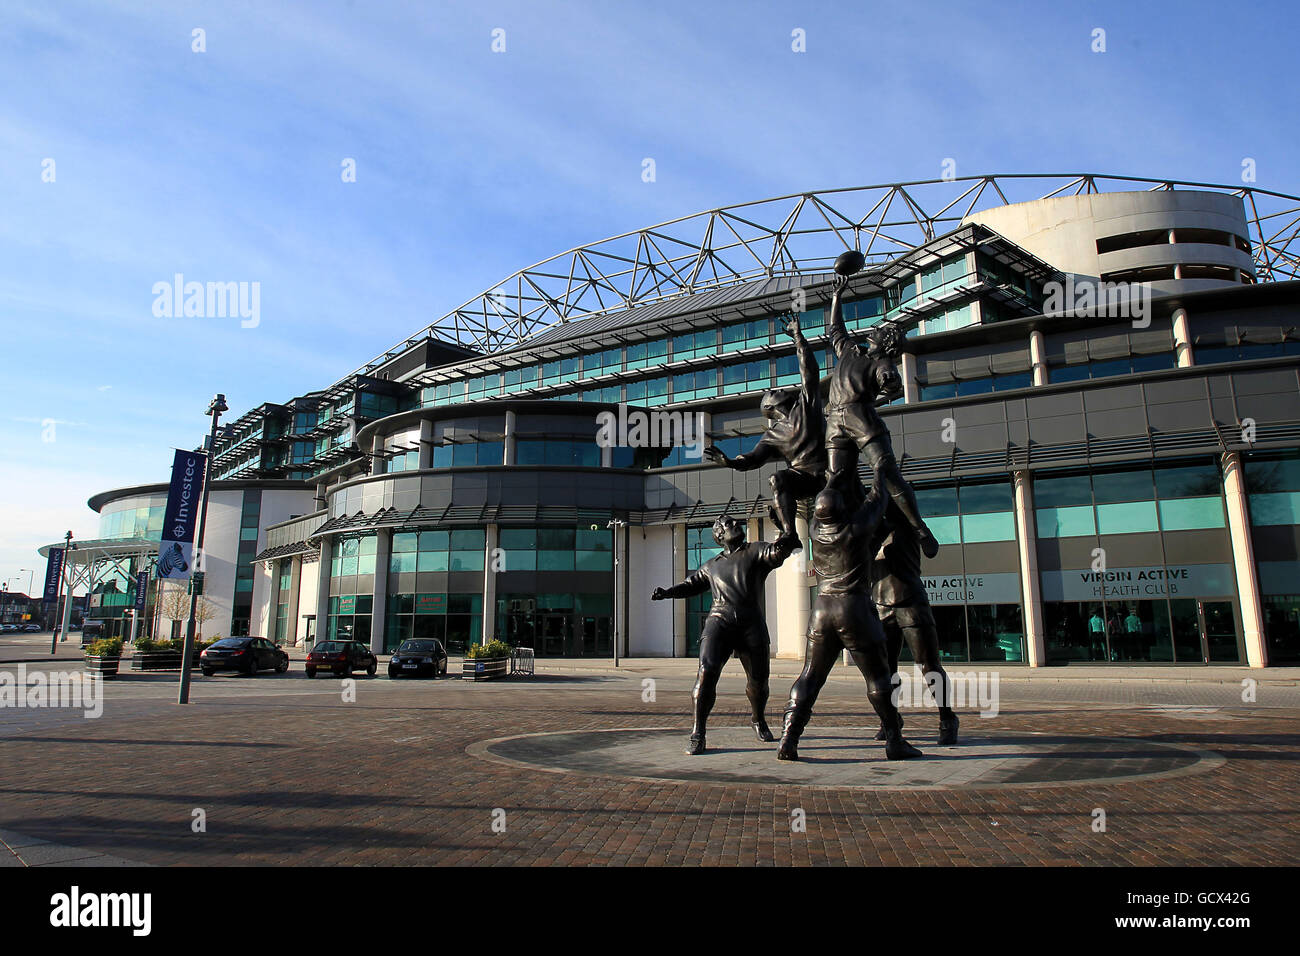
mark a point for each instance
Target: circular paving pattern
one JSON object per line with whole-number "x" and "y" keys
{"x": 847, "y": 757}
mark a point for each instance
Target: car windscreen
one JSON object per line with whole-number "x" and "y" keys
{"x": 329, "y": 647}
{"x": 412, "y": 647}
{"x": 232, "y": 642}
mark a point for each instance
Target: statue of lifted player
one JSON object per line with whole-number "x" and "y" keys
{"x": 861, "y": 380}
{"x": 843, "y": 616}
{"x": 903, "y": 607}
{"x": 796, "y": 435}
{"x": 735, "y": 622}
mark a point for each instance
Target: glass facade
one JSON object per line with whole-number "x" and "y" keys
{"x": 1165, "y": 611}
{"x": 454, "y": 619}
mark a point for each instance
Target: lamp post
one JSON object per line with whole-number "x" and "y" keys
{"x": 215, "y": 408}
{"x": 64, "y": 577}
{"x": 617, "y": 523}
{"x": 31, "y": 573}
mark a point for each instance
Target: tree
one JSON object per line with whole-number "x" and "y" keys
{"x": 175, "y": 603}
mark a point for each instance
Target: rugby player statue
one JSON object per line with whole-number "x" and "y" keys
{"x": 796, "y": 435}
{"x": 735, "y": 622}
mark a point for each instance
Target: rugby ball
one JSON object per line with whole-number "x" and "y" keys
{"x": 850, "y": 262}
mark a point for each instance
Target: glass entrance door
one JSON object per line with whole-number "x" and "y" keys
{"x": 555, "y": 632}
{"x": 1219, "y": 627}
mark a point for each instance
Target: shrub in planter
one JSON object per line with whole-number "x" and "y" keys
{"x": 486, "y": 661}
{"x": 493, "y": 650}
{"x": 103, "y": 656}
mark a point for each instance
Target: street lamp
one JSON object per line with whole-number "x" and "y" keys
{"x": 215, "y": 408}
{"x": 30, "y": 574}
{"x": 617, "y": 523}
{"x": 64, "y": 576}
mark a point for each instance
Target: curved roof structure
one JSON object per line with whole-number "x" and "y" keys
{"x": 800, "y": 233}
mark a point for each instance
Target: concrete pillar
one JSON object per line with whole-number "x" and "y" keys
{"x": 679, "y": 607}
{"x": 379, "y": 607}
{"x": 512, "y": 440}
{"x": 1031, "y": 597}
{"x": 426, "y": 444}
{"x": 1182, "y": 339}
{"x": 1243, "y": 560}
{"x": 295, "y": 582}
{"x": 491, "y": 543}
{"x": 377, "y": 463}
{"x": 323, "y": 591}
{"x": 1038, "y": 357}
{"x": 907, "y": 370}
{"x": 791, "y": 583}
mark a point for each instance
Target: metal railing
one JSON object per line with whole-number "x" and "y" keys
{"x": 522, "y": 660}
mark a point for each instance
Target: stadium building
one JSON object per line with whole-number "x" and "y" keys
{"x": 1101, "y": 417}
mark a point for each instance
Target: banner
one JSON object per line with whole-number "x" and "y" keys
{"x": 176, "y": 552}
{"x": 141, "y": 589}
{"x": 53, "y": 568}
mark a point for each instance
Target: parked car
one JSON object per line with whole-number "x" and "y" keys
{"x": 32, "y": 629}
{"x": 341, "y": 658}
{"x": 8, "y": 628}
{"x": 248, "y": 655}
{"x": 418, "y": 657}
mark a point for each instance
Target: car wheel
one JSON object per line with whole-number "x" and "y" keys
{"x": 392, "y": 674}
{"x": 283, "y": 666}
{"x": 311, "y": 672}
{"x": 347, "y": 670}
{"x": 207, "y": 672}
{"x": 372, "y": 669}
{"x": 252, "y": 668}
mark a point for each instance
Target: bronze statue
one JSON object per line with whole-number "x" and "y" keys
{"x": 861, "y": 381}
{"x": 903, "y": 607}
{"x": 735, "y": 622}
{"x": 796, "y": 435}
{"x": 843, "y": 616}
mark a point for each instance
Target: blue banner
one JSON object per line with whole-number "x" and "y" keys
{"x": 141, "y": 589}
{"x": 53, "y": 569}
{"x": 176, "y": 553}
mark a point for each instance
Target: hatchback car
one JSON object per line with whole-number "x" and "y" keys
{"x": 248, "y": 655}
{"x": 32, "y": 628}
{"x": 341, "y": 658}
{"x": 418, "y": 657}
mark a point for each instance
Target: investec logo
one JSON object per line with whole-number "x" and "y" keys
{"x": 180, "y": 531}
{"x": 210, "y": 300}
{"x": 77, "y": 909}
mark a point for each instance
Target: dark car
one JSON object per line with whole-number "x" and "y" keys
{"x": 248, "y": 655}
{"x": 418, "y": 657}
{"x": 341, "y": 658}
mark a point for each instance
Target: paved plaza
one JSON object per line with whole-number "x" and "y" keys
{"x": 583, "y": 764}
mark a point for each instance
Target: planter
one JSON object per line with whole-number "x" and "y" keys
{"x": 103, "y": 666}
{"x": 161, "y": 661}
{"x": 484, "y": 668}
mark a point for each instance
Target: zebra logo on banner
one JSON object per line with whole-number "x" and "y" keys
{"x": 175, "y": 554}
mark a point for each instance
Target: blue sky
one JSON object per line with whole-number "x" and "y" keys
{"x": 225, "y": 166}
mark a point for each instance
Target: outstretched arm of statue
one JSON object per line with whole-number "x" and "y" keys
{"x": 889, "y": 383}
{"x": 873, "y": 508}
{"x": 775, "y": 552}
{"x": 761, "y": 454}
{"x": 696, "y": 582}
{"x": 809, "y": 372}
{"x": 839, "y": 335}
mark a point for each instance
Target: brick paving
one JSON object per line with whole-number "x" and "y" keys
{"x": 288, "y": 773}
